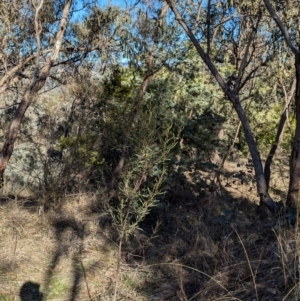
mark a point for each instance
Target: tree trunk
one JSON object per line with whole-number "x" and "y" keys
{"x": 232, "y": 143}
{"x": 293, "y": 200}
{"x": 38, "y": 81}
{"x": 232, "y": 95}
{"x": 261, "y": 184}
{"x": 11, "y": 134}
{"x": 279, "y": 133}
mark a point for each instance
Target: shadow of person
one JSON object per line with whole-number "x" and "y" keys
{"x": 30, "y": 291}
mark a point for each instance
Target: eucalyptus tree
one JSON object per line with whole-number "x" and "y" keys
{"x": 289, "y": 28}
{"x": 18, "y": 45}
{"x": 220, "y": 29}
{"x": 18, "y": 51}
{"x": 27, "y": 27}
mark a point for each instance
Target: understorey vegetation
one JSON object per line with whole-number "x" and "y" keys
{"x": 149, "y": 150}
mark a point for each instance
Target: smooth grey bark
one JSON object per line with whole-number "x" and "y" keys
{"x": 233, "y": 97}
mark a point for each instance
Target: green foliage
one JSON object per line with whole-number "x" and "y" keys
{"x": 179, "y": 117}
{"x": 84, "y": 154}
{"x": 57, "y": 288}
{"x": 141, "y": 107}
{"x": 6, "y": 298}
{"x": 120, "y": 84}
{"x": 150, "y": 143}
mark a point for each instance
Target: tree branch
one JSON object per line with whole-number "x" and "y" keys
{"x": 37, "y": 83}
{"x": 244, "y": 60}
{"x": 37, "y": 35}
{"x": 281, "y": 27}
{"x": 202, "y": 53}
{"x": 13, "y": 71}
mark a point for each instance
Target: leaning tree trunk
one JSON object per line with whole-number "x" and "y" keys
{"x": 293, "y": 200}
{"x": 262, "y": 187}
{"x": 38, "y": 81}
{"x": 232, "y": 95}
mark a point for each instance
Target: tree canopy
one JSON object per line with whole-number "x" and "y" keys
{"x": 137, "y": 104}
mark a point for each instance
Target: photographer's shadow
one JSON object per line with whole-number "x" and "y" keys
{"x": 30, "y": 291}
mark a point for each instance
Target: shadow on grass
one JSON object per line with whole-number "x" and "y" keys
{"x": 210, "y": 246}
{"x": 69, "y": 236}
{"x": 30, "y": 291}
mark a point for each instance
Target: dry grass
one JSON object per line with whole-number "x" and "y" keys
{"x": 53, "y": 249}
{"x": 211, "y": 245}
